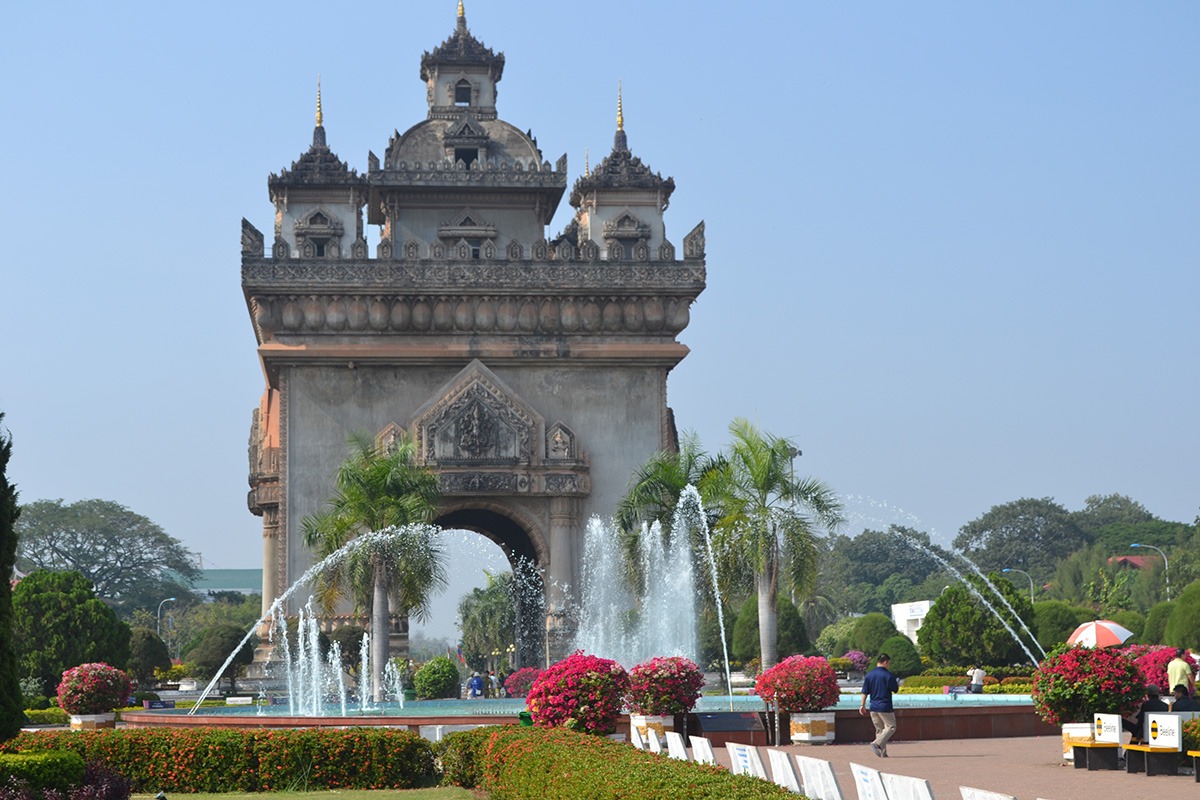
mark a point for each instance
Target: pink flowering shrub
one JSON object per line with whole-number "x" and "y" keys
{"x": 517, "y": 684}
{"x": 800, "y": 683}
{"x": 859, "y": 662}
{"x": 93, "y": 689}
{"x": 1152, "y": 660}
{"x": 664, "y": 686}
{"x": 1072, "y": 683}
{"x": 582, "y": 692}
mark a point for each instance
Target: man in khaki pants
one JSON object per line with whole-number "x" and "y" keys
{"x": 879, "y": 684}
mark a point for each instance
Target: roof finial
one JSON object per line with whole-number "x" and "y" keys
{"x": 587, "y": 169}
{"x": 620, "y": 114}
{"x": 462, "y": 14}
{"x": 319, "y": 117}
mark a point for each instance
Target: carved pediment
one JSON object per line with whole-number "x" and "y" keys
{"x": 626, "y": 226}
{"x": 467, "y": 225}
{"x": 477, "y": 420}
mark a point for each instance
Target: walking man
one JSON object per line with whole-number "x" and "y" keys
{"x": 879, "y": 685}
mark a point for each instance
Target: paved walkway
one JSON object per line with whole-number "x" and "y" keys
{"x": 1027, "y": 768}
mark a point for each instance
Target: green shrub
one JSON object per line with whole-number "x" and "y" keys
{"x": 46, "y": 716}
{"x": 55, "y": 769}
{"x": 870, "y": 632}
{"x": 905, "y": 660}
{"x": 215, "y": 760}
{"x": 937, "y": 680}
{"x": 461, "y": 756}
{"x": 555, "y": 763}
{"x": 437, "y": 678}
{"x": 840, "y": 664}
{"x": 1009, "y": 688}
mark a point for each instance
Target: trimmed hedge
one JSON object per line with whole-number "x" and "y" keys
{"x": 46, "y": 716}
{"x": 518, "y": 763}
{"x": 937, "y": 681}
{"x": 216, "y": 760}
{"x": 56, "y": 769}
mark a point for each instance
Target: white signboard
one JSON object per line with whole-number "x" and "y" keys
{"x": 1163, "y": 730}
{"x": 1108, "y": 729}
{"x": 902, "y": 787}
{"x": 675, "y": 747}
{"x": 745, "y": 760}
{"x": 820, "y": 783}
{"x": 782, "y": 771}
{"x": 635, "y": 736}
{"x": 652, "y": 742}
{"x": 867, "y": 782}
{"x": 982, "y": 794}
{"x": 702, "y": 750}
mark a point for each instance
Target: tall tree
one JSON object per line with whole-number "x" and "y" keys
{"x": 960, "y": 629}
{"x": 121, "y": 552}
{"x": 379, "y": 491}
{"x": 59, "y": 623}
{"x": 488, "y": 619}
{"x": 11, "y": 714}
{"x": 1030, "y": 534}
{"x": 769, "y": 520}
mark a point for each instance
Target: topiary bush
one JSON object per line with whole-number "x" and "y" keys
{"x": 437, "y": 678}
{"x": 1073, "y": 683}
{"x": 460, "y": 755}
{"x": 905, "y": 660}
{"x": 519, "y": 683}
{"x": 54, "y": 769}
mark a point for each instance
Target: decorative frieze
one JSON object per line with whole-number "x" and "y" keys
{"x": 473, "y": 314}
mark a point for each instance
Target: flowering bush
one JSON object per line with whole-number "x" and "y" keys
{"x": 93, "y": 689}
{"x": 1073, "y": 683}
{"x": 664, "y": 686}
{"x": 518, "y": 684}
{"x": 799, "y": 683}
{"x": 581, "y": 692}
{"x": 858, "y": 660}
{"x": 1151, "y": 661}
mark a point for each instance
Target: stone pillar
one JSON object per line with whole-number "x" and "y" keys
{"x": 560, "y": 622}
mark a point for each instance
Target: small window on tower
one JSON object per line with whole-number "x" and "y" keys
{"x": 467, "y": 155}
{"x": 474, "y": 243}
{"x": 462, "y": 93}
{"x": 319, "y": 247}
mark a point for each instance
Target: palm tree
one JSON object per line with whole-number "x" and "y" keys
{"x": 488, "y": 619}
{"x": 378, "y": 491}
{"x": 768, "y": 520}
{"x": 655, "y": 487}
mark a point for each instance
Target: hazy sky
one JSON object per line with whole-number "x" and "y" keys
{"x": 952, "y": 247}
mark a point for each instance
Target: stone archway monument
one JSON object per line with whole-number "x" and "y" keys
{"x": 531, "y": 373}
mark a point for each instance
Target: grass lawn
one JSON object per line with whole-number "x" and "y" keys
{"x": 437, "y": 793}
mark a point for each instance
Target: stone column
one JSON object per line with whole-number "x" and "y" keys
{"x": 560, "y": 623}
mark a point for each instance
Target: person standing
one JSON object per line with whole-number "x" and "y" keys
{"x": 976, "y": 674}
{"x": 1179, "y": 671}
{"x": 879, "y": 684}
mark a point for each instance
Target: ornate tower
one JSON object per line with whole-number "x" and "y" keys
{"x": 532, "y": 374}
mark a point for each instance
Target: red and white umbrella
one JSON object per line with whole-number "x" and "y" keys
{"x": 1099, "y": 633}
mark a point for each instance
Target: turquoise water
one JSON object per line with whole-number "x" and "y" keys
{"x": 511, "y": 707}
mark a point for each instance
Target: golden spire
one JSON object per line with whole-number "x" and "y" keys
{"x": 319, "y": 117}
{"x": 461, "y": 12}
{"x": 587, "y": 169}
{"x": 620, "y": 114}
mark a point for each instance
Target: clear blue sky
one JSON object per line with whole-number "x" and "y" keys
{"x": 952, "y": 248}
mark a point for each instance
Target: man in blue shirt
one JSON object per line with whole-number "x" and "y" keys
{"x": 879, "y": 685}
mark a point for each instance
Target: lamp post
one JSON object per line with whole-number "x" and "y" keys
{"x": 158, "y": 628}
{"x": 1027, "y": 575}
{"x": 1166, "y": 565}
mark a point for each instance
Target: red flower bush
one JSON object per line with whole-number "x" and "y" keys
{"x": 800, "y": 683}
{"x": 93, "y": 689}
{"x": 664, "y": 686}
{"x": 581, "y": 692}
{"x": 519, "y": 683}
{"x": 1152, "y": 660}
{"x": 1073, "y": 683}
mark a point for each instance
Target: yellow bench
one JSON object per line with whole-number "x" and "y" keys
{"x": 1095, "y": 755}
{"x": 1151, "y": 760}
{"x": 1195, "y": 754}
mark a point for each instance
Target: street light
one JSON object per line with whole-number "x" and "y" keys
{"x": 158, "y": 629}
{"x": 1027, "y": 575}
{"x": 1166, "y": 566}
